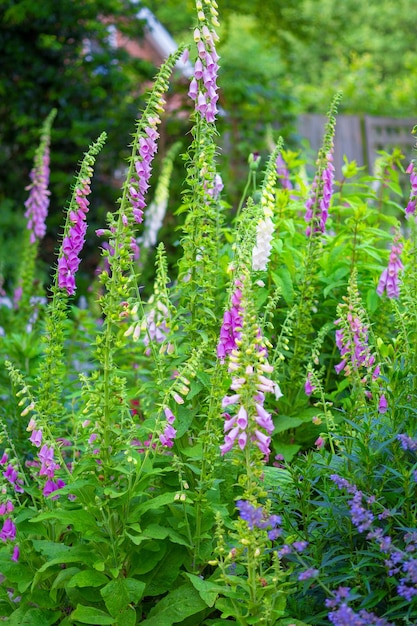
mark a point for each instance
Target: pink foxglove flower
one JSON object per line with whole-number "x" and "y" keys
{"x": 203, "y": 86}
{"x": 76, "y": 225}
{"x": 139, "y": 183}
{"x": 412, "y": 202}
{"x": 38, "y": 201}
{"x": 318, "y": 203}
{"x": 389, "y": 280}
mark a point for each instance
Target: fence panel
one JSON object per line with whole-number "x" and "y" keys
{"x": 359, "y": 139}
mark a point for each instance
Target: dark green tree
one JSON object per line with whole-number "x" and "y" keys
{"x": 61, "y": 55}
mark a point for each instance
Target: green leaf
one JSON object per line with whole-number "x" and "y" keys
{"x": 115, "y": 596}
{"x": 33, "y": 617}
{"x": 91, "y": 615}
{"x": 176, "y": 607}
{"x": 80, "y": 520}
{"x": 208, "y": 591}
{"x": 88, "y": 578}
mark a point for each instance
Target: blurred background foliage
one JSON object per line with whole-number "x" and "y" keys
{"x": 278, "y": 60}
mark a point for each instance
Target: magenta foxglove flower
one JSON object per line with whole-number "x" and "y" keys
{"x": 73, "y": 242}
{"x": 8, "y": 531}
{"x": 232, "y": 325}
{"x": 389, "y": 280}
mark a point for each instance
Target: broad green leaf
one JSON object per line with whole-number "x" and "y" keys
{"x": 208, "y": 591}
{"x": 176, "y": 607}
{"x": 33, "y": 617}
{"x": 91, "y": 615}
{"x": 88, "y": 578}
{"x": 80, "y": 520}
{"x": 116, "y": 597}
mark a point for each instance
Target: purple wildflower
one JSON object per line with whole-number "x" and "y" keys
{"x": 168, "y": 436}
{"x": 12, "y": 476}
{"x": 8, "y": 531}
{"x": 51, "y": 486}
{"x": 352, "y": 342}
{"x": 48, "y": 465}
{"x": 139, "y": 183}
{"x": 38, "y": 201}
{"x": 383, "y": 404}
{"x": 203, "y": 86}
{"x": 232, "y": 325}
{"x": 343, "y": 615}
{"x": 318, "y": 203}
{"x": 257, "y": 518}
{"x": 412, "y": 202}
{"x": 308, "y": 385}
{"x": 308, "y": 573}
{"x": 283, "y": 173}
{"x": 15, "y": 554}
{"x": 389, "y": 280}
{"x": 36, "y": 438}
{"x": 6, "y": 507}
{"x": 407, "y": 443}
{"x": 73, "y": 242}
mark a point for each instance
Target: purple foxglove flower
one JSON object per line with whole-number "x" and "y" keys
{"x": 36, "y": 438}
{"x": 383, "y": 404}
{"x": 38, "y": 201}
{"x": 308, "y": 385}
{"x": 168, "y": 436}
{"x": 389, "y": 280}
{"x": 15, "y": 554}
{"x": 139, "y": 184}
{"x": 318, "y": 203}
{"x": 203, "y": 86}
{"x": 8, "y": 531}
{"x": 412, "y": 203}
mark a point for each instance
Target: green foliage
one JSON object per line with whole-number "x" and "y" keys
{"x": 155, "y": 471}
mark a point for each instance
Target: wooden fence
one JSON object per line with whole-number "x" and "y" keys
{"x": 359, "y": 137}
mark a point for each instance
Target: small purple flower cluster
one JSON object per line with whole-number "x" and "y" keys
{"x": 139, "y": 184}
{"x": 412, "y": 203}
{"x": 257, "y": 518}
{"x": 407, "y": 443}
{"x": 38, "y": 201}
{"x": 203, "y": 86}
{"x": 389, "y": 280}
{"x": 343, "y": 615}
{"x": 231, "y": 328}
{"x": 318, "y": 203}
{"x": 73, "y": 242}
{"x": 398, "y": 561}
{"x": 168, "y": 436}
{"x": 361, "y": 517}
